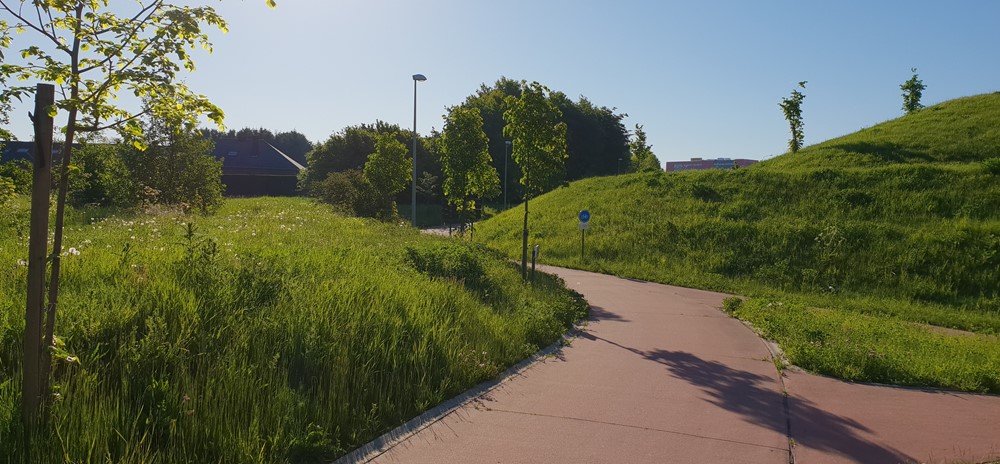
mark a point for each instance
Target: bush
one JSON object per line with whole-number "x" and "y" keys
{"x": 101, "y": 178}
{"x": 18, "y": 172}
{"x": 349, "y": 193}
{"x": 178, "y": 170}
{"x": 6, "y": 190}
{"x": 992, "y": 166}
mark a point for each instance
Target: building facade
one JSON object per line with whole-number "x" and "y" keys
{"x": 699, "y": 163}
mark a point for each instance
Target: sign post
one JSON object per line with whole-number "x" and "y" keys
{"x": 584, "y": 225}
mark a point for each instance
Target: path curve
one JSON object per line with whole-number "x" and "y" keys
{"x": 659, "y": 374}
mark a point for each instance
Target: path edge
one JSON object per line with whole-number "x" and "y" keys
{"x": 390, "y": 439}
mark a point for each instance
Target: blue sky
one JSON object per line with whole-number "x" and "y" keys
{"x": 704, "y": 78}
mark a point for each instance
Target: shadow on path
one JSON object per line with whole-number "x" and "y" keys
{"x": 598, "y": 313}
{"x": 751, "y": 396}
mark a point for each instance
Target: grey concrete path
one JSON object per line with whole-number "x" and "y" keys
{"x": 660, "y": 375}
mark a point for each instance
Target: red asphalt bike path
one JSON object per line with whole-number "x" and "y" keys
{"x": 659, "y": 374}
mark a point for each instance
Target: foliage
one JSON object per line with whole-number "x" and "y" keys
{"x": 19, "y": 173}
{"x": 792, "y": 108}
{"x": 266, "y": 333}
{"x": 992, "y": 166}
{"x": 595, "y": 135}
{"x": 350, "y": 193}
{"x": 388, "y": 172}
{"x": 642, "y": 157}
{"x": 539, "y": 138}
{"x": 902, "y": 242}
{"x": 913, "y": 90}
{"x": 466, "y": 161}
{"x": 92, "y": 52}
{"x": 176, "y": 169}
{"x": 350, "y": 147}
{"x": 7, "y": 190}
{"x": 102, "y": 177}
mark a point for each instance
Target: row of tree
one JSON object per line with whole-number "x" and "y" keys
{"x": 791, "y": 106}
{"x": 453, "y": 168}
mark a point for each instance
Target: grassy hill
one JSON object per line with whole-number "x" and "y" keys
{"x": 273, "y": 331}
{"x": 894, "y": 227}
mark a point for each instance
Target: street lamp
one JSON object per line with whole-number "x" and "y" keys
{"x": 619, "y": 165}
{"x": 506, "y": 148}
{"x": 413, "y": 203}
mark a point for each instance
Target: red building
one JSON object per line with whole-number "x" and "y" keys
{"x": 698, "y": 163}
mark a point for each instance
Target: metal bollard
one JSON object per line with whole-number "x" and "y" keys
{"x": 534, "y": 257}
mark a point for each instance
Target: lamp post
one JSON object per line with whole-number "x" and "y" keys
{"x": 619, "y": 165}
{"x": 506, "y": 149}
{"x": 413, "y": 203}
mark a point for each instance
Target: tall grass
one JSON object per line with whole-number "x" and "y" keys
{"x": 273, "y": 331}
{"x": 912, "y": 238}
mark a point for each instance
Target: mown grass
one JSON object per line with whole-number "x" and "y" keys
{"x": 273, "y": 331}
{"x": 883, "y": 240}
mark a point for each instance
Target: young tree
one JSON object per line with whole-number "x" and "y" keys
{"x": 465, "y": 160}
{"x": 913, "y": 90}
{"x": 388, "y": 171}
{"x": 643, "y": 158}
{"x": 92, "y": 52}
{"x": 539, "y": 139}
{"x": 792, "y": 107}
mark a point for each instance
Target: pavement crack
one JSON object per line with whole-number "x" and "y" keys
{"x": 639, "y": 427}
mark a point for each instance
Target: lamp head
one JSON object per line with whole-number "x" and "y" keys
{"x": 419, "y": 77}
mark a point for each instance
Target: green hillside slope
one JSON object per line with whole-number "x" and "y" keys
{"x": 957, "y": 131}
{"x": 899, "y": 222}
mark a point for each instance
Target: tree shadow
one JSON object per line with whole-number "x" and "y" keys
{"x": 750, "y": 396}
{"x": 885, "y": 151}
{"x": 598, "y": 313}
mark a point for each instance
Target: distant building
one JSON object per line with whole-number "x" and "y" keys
{"x": 698, "y": 163}
{"x": 253, "y": 167}
{"x": 250, "y": 166}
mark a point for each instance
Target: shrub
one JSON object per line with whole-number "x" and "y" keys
{"x": 992, "y": 166}
{"x": 349, "y": 193}
{"x": 178, "y": 170}
{"x": 101, "y": 178}
{"x": 18, "y": 172}
{"x": 6, "y": 190}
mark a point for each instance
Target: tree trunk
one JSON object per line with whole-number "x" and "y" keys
{"x": 57, "y": 238}
{"x": 524, "y": 243}
{"x": 31, "y": 377}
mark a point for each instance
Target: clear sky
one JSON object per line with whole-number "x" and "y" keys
{"x": 703, "y": 77}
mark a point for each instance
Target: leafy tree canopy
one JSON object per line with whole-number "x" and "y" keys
{"x": 643, "y": 158}
{"x": 535, "y": 125}
{"x": 913, "y": 91}
{"x": 388, "y": 169}
{"x": 466, "y": 161}
{"x": 350, "y": 147}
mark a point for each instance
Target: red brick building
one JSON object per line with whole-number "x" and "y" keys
{"x": 698, "y": 163}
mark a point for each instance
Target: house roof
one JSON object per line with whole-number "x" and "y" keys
{"x": 239, "y": 156}
{"x": 253, "y": 156}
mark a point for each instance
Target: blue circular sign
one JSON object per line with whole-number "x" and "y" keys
{"x": 584, "y": 216}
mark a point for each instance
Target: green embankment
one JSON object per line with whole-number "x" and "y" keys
{"x": 276, "y": 332}
{"x": 890, "y": 230}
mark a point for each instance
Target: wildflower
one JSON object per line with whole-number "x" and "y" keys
{"x": 73, "y": 251}
{"x": 22, "y": 262}
{"x": 185, "y": 398}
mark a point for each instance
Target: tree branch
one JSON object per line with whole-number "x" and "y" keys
{"x": 96, "y": 128}
{"x": 125, "y": 41}
{"x": 31, "y": 25}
